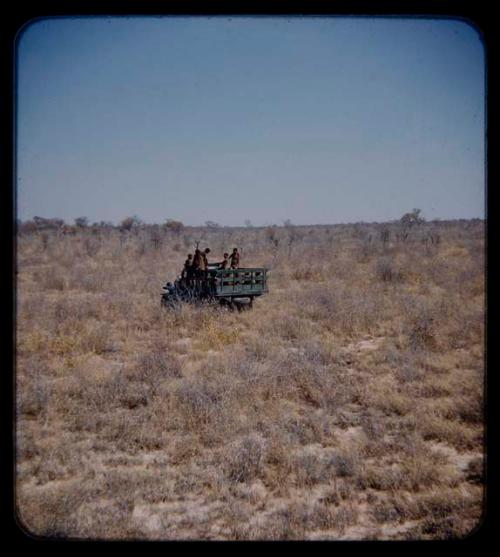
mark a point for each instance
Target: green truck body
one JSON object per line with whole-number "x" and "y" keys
{"x": 236, "y": 287}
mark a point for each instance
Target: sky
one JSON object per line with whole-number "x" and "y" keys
{"x": 313, "y": 120}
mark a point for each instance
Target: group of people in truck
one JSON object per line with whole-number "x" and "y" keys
{"x": 196, "y": 266}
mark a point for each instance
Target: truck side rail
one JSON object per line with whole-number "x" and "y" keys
{"x": 241, "y": 282}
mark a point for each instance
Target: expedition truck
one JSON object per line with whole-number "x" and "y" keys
{"x": 235, "y": 288}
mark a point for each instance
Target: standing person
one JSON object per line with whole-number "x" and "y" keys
{"x": 204, "y": 270}
{"x": 187, "y": 265}
{"x": 197, "y": 262}
{"x": 204, "y": 258}
{"x": 187, "y": 271}
{"x": 235, "y": 259}
{"x": 225, "y": 262}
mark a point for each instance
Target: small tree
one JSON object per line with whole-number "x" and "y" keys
{"x": 412, "y": 218}
{"x": 155, "y": 236}
{"x": 385, "y": 234}
{"x": 81, "y": 222}
{"x": 48, "y": 224}
{"x": 129, "y": 223}
{"x": 174, "y": 226}
{"x": 293, "y": 234}
{"x": 40, "y": 222}
{"x": 272, "y": 236}
{"x": 27, "y": 227}
{"x": 407, "y": 221}
{"x": 212, "y": 224}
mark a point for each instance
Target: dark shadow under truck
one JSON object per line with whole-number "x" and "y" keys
{"x": 235, "y": 288}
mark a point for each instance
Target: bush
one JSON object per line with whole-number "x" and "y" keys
{"x": 33, "y": 389}
{"x": 345, "y": 465}
{"x": 388, "y": 272}
{"x": 205, "y": 408}
{"x": 420, "y": 331}
{"x": 245, "y": 459}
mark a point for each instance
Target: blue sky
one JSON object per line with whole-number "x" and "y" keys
{"x": 316, "y": 120}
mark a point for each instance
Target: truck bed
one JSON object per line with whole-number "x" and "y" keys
{"x": 239, "y": 282}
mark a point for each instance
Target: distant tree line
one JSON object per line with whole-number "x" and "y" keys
{"x": 406, "y": 223}
{"x": 128, "y": 224}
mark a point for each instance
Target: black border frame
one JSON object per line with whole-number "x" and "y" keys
{"x": 478, "y": 13}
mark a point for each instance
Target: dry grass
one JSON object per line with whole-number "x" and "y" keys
{"x": 348, "y": 404}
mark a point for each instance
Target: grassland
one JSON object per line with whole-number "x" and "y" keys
{"x": 347, "y": 404}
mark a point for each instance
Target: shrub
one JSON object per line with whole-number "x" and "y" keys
{"x": 50, "y": 279}
{"x": 155, "y": 366}
{"x": 311, "y": 469}
{"x": 344, "y": 464}
{"x": 387, "y": 271}
{"x": 33, "y": 389}
{"x": 245, "y": 459}
{"x": 96, "y": 338}
{"x": 419, "y": 325}
{"x": 475, "y": 470}
{"x": 205, "y": 408}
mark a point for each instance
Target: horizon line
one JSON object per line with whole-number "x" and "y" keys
{"x": 215, "y": 225}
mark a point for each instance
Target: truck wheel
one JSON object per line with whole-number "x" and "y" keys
{"x": 243, "y": 304}
{"x": 171, "y": 302}
{"x": 225, "y": 303}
